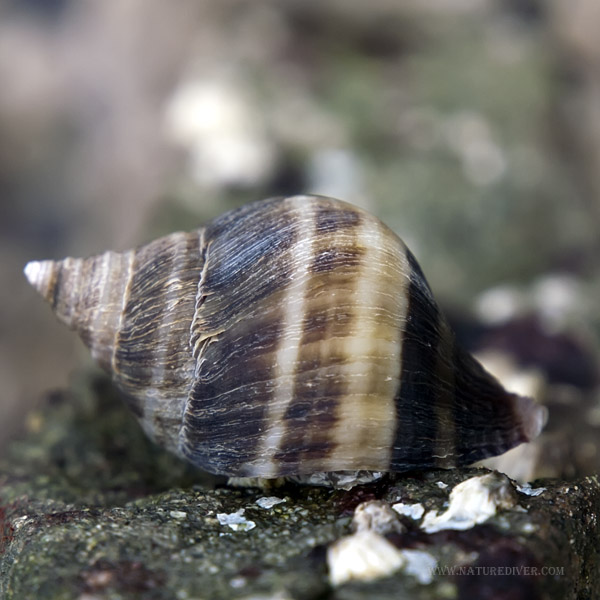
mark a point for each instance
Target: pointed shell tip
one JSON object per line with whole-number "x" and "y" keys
{"x": 39, "y": 274}
{"x": 32, "y": 271}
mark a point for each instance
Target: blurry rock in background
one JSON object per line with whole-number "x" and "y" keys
{"x": 472, "y": 129}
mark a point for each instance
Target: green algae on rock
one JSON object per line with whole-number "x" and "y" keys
{"x": 115, "y": 519}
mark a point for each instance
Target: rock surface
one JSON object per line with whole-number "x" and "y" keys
{"x": 90, "y": 509}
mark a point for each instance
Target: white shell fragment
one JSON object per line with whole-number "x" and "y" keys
{"x": 178, "y": 514}
{"x": 362, "y": 556}
{"x": 367, "y": 555}
{"x": 268, "y": 502}
{"x": 529, "y": 491}
{"x": 413, "y": 511}
{"x": 376, "y": 516}
{"x": 472, "y": 502}
{"x": 339, "y": 480}
{"x": 236, "y": 520}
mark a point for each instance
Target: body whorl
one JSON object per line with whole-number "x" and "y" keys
{"x": 287, "y": 337}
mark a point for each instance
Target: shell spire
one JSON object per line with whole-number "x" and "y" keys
{"x": 134, "y": 311}
{"x": 86, "y": 295}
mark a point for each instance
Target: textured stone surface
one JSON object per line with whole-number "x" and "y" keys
{"x": 89, "y": 509}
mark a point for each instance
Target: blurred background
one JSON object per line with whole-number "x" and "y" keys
{"x": 471, "y": 127}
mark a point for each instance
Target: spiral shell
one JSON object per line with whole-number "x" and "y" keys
{"x": 291, "y": 336}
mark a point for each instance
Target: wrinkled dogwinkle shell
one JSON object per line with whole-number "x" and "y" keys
{"x": 290, "y": 336}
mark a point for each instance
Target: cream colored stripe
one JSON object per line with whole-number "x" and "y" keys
{"x": 365, "y": 427}
{"x": 286, "y": 357}
{"x": 128, "y": 256}
{"x": 102, "y": 309}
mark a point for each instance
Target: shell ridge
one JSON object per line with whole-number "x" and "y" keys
{"x": 152, "y": 364}
{"x": 195, "y": 329}
{"x": 238, "y": 263}
{"x": 163, "y": 355}
{"x": 126, "y": 293}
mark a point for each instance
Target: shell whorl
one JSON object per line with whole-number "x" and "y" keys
{"x": 286, "y": 337}
{"x": 134, "y": 311}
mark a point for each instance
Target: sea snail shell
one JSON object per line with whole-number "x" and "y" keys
{"x": 290, "y": 336}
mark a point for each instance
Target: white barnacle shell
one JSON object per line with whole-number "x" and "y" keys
{"x": 472, "y": 502}
{"x": 291, "y": 336}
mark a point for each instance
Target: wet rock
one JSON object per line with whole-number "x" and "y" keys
{"x": 89, "y": 508}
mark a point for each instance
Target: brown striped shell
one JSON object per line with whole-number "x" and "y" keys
{"x": 287, "y": 337}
